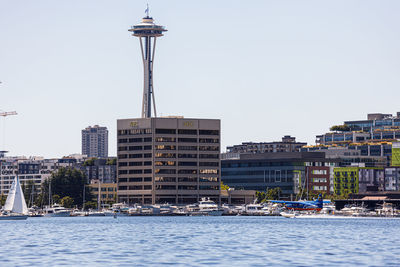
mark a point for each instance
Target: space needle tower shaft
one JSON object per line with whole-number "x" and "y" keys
{"x": 147, "y": 32}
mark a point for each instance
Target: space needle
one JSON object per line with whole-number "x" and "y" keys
{"x": 148, "y": 31}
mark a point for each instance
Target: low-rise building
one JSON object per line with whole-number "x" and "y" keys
{"x": 107, "y": 191}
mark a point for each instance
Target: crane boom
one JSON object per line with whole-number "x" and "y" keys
{"x": 4, "y": 114}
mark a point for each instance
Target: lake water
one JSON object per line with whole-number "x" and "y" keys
{"x": 200, "y": 241}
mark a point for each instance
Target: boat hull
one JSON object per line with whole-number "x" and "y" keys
{"x": 13, "y": 217}
{"x": 58, "y": 214}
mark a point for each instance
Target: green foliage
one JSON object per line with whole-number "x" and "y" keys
{"x": 340, "y": 128}
{"x": 66, "y": 182}
{"x": 111, "y": 161}
{"x": 260, "y": 197}
{"x": 3, "y": 199}
{"x": 90, "y": 205}
{"x": 89, "y": 162}
{"x": 56, "y": 199}
{"x": 274, "y": 193}
{"x": 67, "y": 202}
{"x": 224, "y": 186}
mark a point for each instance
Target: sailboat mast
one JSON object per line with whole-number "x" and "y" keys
{"x": 98, "y": 197}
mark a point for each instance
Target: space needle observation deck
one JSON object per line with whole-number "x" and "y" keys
{"x": 148, "y": 31}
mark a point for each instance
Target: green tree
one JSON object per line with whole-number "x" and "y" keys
{"x": 3, "y": 199}
{"x": 89, "y": 162}
{"x": 273, "y": 193}
{"x": 112, "y": 161}
{"x": 90, "y": 205}
{"x": 67, "y": 182}
{"x": 67, "y": 202}
{"x": 261, "y": 197}
{"x": 56, "y": 199}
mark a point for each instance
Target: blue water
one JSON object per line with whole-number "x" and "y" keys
{"x": 200, "y": 241}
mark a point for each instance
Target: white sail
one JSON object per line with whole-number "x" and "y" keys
{"x": 15, "y": 202}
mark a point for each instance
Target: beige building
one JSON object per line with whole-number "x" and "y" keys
{"x": 168, "y": 160}
{"x": 107, "y": 191}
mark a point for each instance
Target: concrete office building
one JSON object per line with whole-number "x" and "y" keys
{"x": 95, "y": 142}
{"x": 174, "y": 160}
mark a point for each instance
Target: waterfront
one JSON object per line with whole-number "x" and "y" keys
{"x": 200, "y": 241}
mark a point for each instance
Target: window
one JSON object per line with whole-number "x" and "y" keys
{"x": 165, "y": 155}
{"x": 135, "y": 140}
{"x": 187, "y": 171}
{"x": 208, "y": 140}
{"x": 164, "y": 147}
{"x": 192, "y": 148}
{"x": 187, "y": 179}
{"x": 165, "y": 179}
{"x": 165, "y": 131}
{"x": 165, "y": 171}
{"x": 165, "y": 139}
{"x": 209, "y": 148}
{"x": 187, "y": 163}
{"x": 135, "y": 156}
{"x": 209, "y": 171}
{"x": 208, "y": 132}
{"x": 192, "y": 132}
{"x": 209, "y": 164}
{"x": 209, "y": 156}
{"x": 187, "y": 187}
{"x": 165, "y": 163}
{"x": 136, "y": 163}
{"x": 187, "y": 140}
{"x": 187, "y": 156}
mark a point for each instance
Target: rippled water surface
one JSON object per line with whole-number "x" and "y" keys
{"x": 200, "y": 241}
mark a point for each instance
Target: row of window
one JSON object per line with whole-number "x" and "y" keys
{"x": 169, "y": 187}
{"x": 167, "y": 147}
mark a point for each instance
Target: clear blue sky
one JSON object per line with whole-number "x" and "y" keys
{"x": 265, "y": 68}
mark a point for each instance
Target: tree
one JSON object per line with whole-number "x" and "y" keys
{"x": 274, "y": 193}
{"x": 90, "y": 205}
{"x": 3, "y": 199}
{"x": 89, "y": 162}
{"x": 261, "y": 197}
{"x": 56, "y": 198}
{"x": 112, "y": 161}
{"x": 67, "y": 202}
{"x": 67, "y": 182}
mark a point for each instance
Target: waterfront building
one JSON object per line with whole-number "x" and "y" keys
{"x": 95, "y": 142}
{"x": 396, "y": 154}
{"x": 108, "y": 191}
{"x": 104, "y": 169}
{"x": 363, "y": 155}
{"x": 168, "y": 160}
{"x": 288, "y": 144}
{"x": 377, "y": 128}
{"x": 358, "y": 180}
{"x": 32, "y": 171}
{"x": 392, "y": 179}
{"x": 286, "y": 170}
{"x": 238, "y": 197}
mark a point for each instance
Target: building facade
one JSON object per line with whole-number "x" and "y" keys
{"x": 358, "y": 180}
{"x": 288, "y": 144}
{"x": 174, "y": 160}
{"x": 95, "y": 142}
{"x": 286, "y": 170}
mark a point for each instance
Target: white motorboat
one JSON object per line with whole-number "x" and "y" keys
{"x": 209, "y": 207}
{"x": 288, "y": 214}
{"x": 254, "y": 210}
{"x": 15, "y": 207}
{"x": 56, "y": 211}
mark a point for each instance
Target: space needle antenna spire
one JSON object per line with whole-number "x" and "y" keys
{"x": 147, "y": 32}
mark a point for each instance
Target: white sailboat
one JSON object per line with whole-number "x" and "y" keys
{"x": 15, "y": 207}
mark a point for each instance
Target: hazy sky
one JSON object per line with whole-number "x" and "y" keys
{"x": 265, "y": 68}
